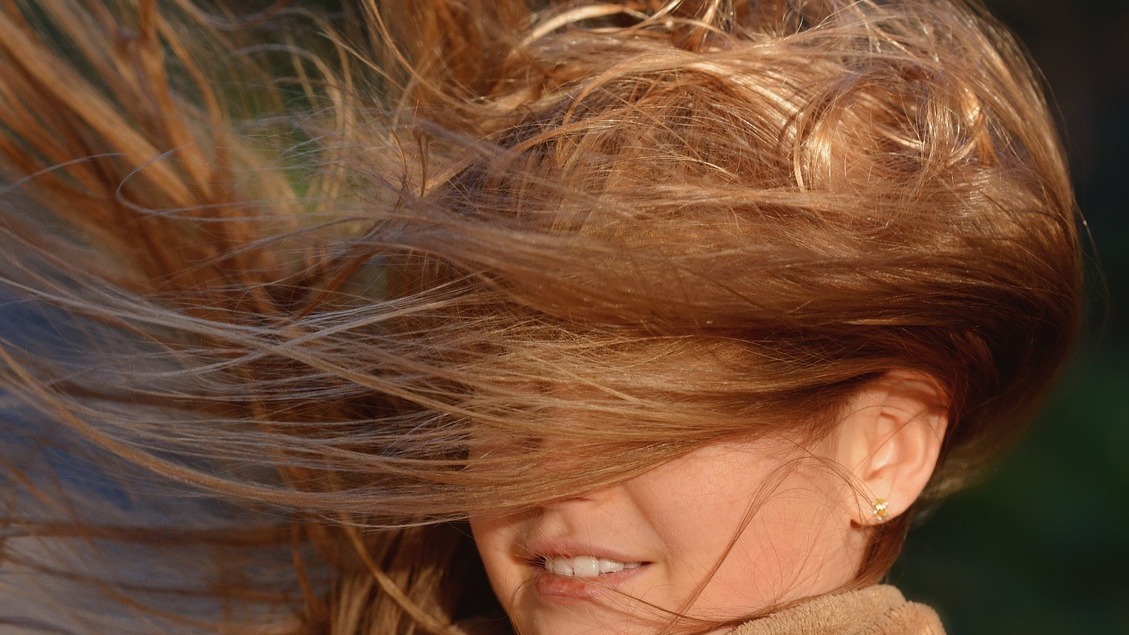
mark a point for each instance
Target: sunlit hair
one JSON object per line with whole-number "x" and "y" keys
{"x": 359, "y": 275}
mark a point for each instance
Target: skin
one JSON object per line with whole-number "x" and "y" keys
{"x": 721, "y": 533}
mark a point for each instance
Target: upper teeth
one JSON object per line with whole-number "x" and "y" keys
{"x": 586, "y": 566}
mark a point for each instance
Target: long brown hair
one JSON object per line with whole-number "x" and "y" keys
{"x": 329, "y": 279}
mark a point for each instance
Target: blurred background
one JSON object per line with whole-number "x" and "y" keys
{"x": 1041, "y": 546}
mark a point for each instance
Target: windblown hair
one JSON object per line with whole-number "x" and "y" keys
{"x": 289, "y": 294}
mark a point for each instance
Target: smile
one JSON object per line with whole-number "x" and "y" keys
{"x": 585, "y": 566}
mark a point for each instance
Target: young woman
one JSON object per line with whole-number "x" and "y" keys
{"x": 650, "y": 317}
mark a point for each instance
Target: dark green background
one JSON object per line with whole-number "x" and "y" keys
{"x": 1042, "y": 545}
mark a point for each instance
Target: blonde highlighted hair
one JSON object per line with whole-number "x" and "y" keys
{"x": 332, "y": 279}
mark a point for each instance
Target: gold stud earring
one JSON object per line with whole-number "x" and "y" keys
{"x": 881, "y": 511}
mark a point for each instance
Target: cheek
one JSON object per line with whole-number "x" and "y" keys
{"x": 493, "y": 537}
{"x": 489, "y": 537}
{"x": 749, "y": 535}
{"x": 798, "y": 543}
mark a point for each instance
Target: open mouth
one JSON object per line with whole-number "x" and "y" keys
{"x": 585, "y": 566}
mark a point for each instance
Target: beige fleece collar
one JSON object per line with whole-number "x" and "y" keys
{"x": 876, "y": 610}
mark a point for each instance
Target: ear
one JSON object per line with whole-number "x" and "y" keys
{"x": 890, "y": 440}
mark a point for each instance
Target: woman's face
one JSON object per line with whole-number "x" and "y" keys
{"x": 716, "y": 534}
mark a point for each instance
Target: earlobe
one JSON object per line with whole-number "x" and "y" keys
{"x": 890, "y": 441}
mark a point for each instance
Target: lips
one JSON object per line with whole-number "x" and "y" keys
{"x": 585, "y": 566}
{"x": 569, "y": 572}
